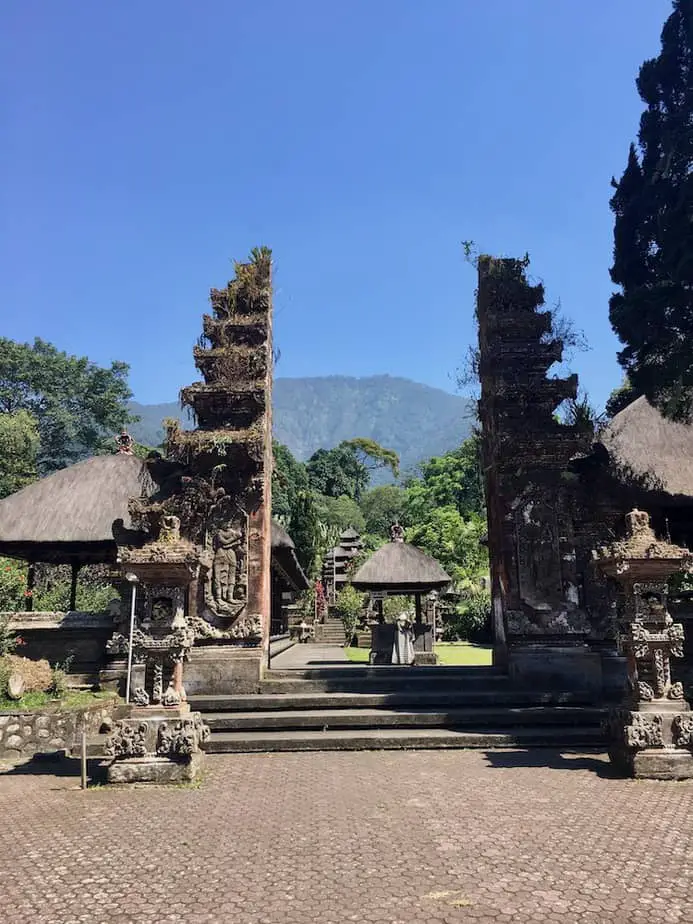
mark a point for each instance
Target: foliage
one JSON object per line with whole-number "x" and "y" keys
{"x": 619, "y": 399}
{"x": 19, "y": 444}
{"x": 395, "y": 605}
{"x": 349, "y": 607}
{"x": 77, "y": 405}
{"x": 453, "y": 480}
{"x": 305, "y": 530}
{"x": 383, "y": 506}
{"x": 59, "y": 677}
{"x": 454, "y": 541}
{"x": 341, "y": 512}
{"x": 13, "y": 589}
{"x": 8, "y": 638}
{"x": 337, "y": 472}
{"x": 373, "y": 455}
{"x": 653, "y": 244}
{"x": 289, "y": 478}
{"x": 579, "y": 412}
{"x": 472, "y": 615}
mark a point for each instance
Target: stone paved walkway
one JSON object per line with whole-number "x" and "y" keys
{"x": 374, "y": 836}
{"x": 300, "y": 657}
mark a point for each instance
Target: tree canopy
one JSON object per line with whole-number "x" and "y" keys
{"x": 77, "y": 405}
{"x": 652, "y": 314}
{"x": 345, "y": 469}
{"x": 19, "y": 443}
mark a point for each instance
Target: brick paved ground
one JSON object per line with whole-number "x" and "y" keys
{"x": 374, "y": 837}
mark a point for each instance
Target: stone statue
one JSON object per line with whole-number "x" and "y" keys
{"x": 224, "y": 568}
{"x": 169, "y": 530}
{"x": 124, "y": 442}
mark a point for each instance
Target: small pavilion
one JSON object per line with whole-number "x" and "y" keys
{"x": 400, "y": 569}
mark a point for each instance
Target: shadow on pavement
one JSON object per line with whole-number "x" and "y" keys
{"x": 553, "y": 759}
{"x": 55, "y": 765}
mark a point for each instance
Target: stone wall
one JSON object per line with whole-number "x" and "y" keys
{"x": 23, "y": 734}
{"x": 78, "y": 637}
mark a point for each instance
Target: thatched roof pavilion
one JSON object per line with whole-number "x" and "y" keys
{"x": 400, "y": 568}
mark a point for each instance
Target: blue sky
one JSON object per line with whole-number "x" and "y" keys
{"x": 147, "y": 143}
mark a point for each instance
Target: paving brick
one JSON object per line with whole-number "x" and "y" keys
{"x": 382, "y": 837}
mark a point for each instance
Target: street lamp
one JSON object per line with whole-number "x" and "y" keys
{"x": 133, "y": 580}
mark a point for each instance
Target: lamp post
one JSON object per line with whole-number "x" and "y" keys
{"x": 132, "y": 580}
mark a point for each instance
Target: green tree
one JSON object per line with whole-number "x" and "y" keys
{"x": 619, "y": 399}
{"x": 383, "y": 506}
{"x": 19, "y": 444}
{"x": 373, "y": 455}
{"x": 653, "y": 244}
{"x": 305, "y": 530}
{"x": 452, "y": 480}
{"x": 341, "y": 512}
{"x": 454, "y": 541}
{"x": 78, "y": 406}
{"x": 289, "y": 479}
{"x": 345, "y": 469}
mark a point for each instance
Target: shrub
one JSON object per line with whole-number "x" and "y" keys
{"x": 471, "y": 618}
{"x": 13, "y": 589}
{"x": 349, "y": 606}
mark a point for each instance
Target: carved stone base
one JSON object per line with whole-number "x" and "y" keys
{"x": 154, "y": 744}
{"x": 224, "y": 669}
{"x": 653, "y": 763}
{"x": 152, "y": 769}
{"x": 653, "y": 742}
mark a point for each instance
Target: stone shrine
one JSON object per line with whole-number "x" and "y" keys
{"x": 651, "y": 732}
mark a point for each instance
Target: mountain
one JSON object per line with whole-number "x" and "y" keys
{"x": 415, "y": 420}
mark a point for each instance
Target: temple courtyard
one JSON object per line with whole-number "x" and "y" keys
{"x": 437, "y": 836}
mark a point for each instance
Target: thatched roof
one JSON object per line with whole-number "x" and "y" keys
{"x": 284, "y": 558}
{"x": 73, "y": 514}
{"x": 397, "y": 566}
{"x": 649, "y": 451}
{"x": 78, "y": 514}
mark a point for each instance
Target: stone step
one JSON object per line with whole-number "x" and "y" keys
{"x": 402, "y": 738}
{"x": 459, "y": 719}
{"x": 391, "y": 672}
{"x": 302, "y": 699}
{"x": 382, "y": 684}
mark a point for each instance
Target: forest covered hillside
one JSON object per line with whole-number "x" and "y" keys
{"x": 415, "y": 420}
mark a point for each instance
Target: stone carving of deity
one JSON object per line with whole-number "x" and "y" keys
{"x": 225, "y": 565}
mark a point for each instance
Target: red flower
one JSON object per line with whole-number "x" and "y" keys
{"x": 28, "y": 593}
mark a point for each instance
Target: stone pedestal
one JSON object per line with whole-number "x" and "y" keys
{"x": 151, "y": 744}
{"x": 424, "y": 655}
{"x": 224, "y": 669}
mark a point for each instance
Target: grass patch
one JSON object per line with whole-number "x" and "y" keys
{"x": 37, "y": 702}
{"x": 459, "y": 654}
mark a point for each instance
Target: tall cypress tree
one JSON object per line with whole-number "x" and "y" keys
{"x": 653, "y": 229}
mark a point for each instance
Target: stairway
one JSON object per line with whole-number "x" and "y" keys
{"x": 372, "y": 708}
{"x": 330, "y": 632}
